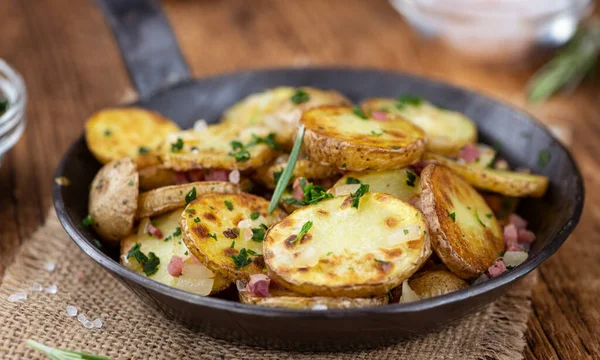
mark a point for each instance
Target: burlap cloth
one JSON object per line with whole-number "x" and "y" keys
{"x": 132, "y": 330}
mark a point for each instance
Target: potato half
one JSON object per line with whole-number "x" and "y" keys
{"x": 338, "y": 137}
{"x": 112, "y": 134}
{"x": 464, "y": 232}
{"x": 211, "y": 230}
{"x": 403, "y": 184}
{"x": 197, "y": 279}
{"x": 353, "y": 252}
{"x": 222, "y": 146}
{"x": 280, "y": 109}
{"x": 280, "y": 297}
{"x": 446, "y": 131}
{"x": 113, "y": 200}
{"x": 433, "y": 283}
{"x": 304, "y": 168}
{"x": 161, "y": 200}
{"x": 504, "y": 182}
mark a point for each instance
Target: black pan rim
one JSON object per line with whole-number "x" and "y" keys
{"x": 72, "y": 229}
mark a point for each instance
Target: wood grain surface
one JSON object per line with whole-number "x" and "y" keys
{"x": 72, "y": 67}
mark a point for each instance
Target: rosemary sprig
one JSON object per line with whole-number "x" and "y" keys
{"x": 285, "y": 177}
{"x": 57, "y": 354}
{"x": 569, "y": 66}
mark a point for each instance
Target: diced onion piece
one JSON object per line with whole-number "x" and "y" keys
{"x": 234, "y": 177}
{"x": 196, "y": 271}
{"x": 245, "y": 224}
{"x": 144, "y": 225}
{"x": 343, "y": 190}
{"x": 408, "y": 294}
{"x": 400, "y": 236}
{"x": 307, "y": 257}
{"x": 201, "y": 287}
{"x": 200, "y": 125}
{"x": 241, "y": 285}
{"x": 514, "y": 258}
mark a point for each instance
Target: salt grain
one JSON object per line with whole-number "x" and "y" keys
{"x": 81, "y": 318}
{"x": 52, "y": 289}
{"x": 97, "y": 323}
{"x": 50, "y": 266}
{"x": 88, "y": 324}
{"x": 37, "y": 287}
{"x": 234, "y": 177}
{"x": 17, "y": 297}
{"x": 71, "y": 310}
{"x": 319, "y": 307}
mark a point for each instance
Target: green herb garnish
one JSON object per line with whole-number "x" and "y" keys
{"x": 277, "y": 175}
{"x": 177, "y": 146}
{"x": 229, "y": 205}
{"x": 213, "y": 235}
{"x": 408, "y": 100}
{"x": 241, "y": 259}
{"x": 351, "y": 180}
{"x": 87, "y": 221}
{"x": 299, "y": 97}
{"x": 489, "y": 216}
{"x": 285, "y": 177}
{"x": 130, "y": 183}
{"x": 303, "y": 231}
{"x": 149, "y": 263}
{"x": 373, "y": 132}
{"x": 255, "y": 215}
{"x": 478, "y": 219}
{"x": 190, "y": 196}
{"x": 241, "y": 155}
{"x": 143, "y": 150}
{"x": 411, "y": 177}
{"x": 232, "y": 244}
{"x": 452, "y": 215}
{"x": 197, "y": 220}
{"x": 268, "y": 140}
{"x": 363, "y": 188}
{"x": 58, "y": 354}
{"x": 258, "y": 234}
{"x": 107, "y": 132}
{"x": 543, "y": 158}
{"x": 382, "y": 261}
{"x": 177, "y": 231}
{"x": 360, "y": 113}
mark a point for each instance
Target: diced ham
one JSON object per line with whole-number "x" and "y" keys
{"x": 155, "y": 231}
{"x": 497, "y": 269}
{"x": 234, "y": 177}
{"x": 511, "y": 237}
{"x": 217, "y": 175}
{"x": 259, "y": 285}
{"x": 525, "y": 236}
{"x": 517, "y": 221}
{"x": 180, "y": 177}
{"x": 379, "y": 115}
{"x": 195, "y": 175}
{"x": 175, "y": 266}
{"x": 297, "y": 191}
{"x": 469, "y": 153}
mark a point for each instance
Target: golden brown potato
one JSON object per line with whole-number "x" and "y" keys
{"x": 280, "y": 109}
{"x": 504, "y": 182}
{"x": 280, "y": 297}
{"x": 113, "y": 200}
{"x": 403, "y": 183}
{"x": 112, "y": 134}
{"x": 161, "y": 200}
{"x": 222, "y": 146}
{"x": 336, "y": 136}
{"x": 194, "y": 277}
{"x": 446, "y": 131}
{"x": 213, "y": 233}
{"x": 304, "y": 168}
{"x": 464, "y": 232}
{"x": 347, "y": 251}
{"x": 429, "y": 284}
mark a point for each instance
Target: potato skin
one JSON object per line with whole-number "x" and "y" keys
{"x": 113, "y": 200}
{"x": 508, "y": 183}
{"x": 161, "y": 200}
{"x": 468, "y": 241}
{"x": 334, "y": 136}
{"x": 433, "y": 283}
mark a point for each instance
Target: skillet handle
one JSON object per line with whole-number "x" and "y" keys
{"x": 147, "y": 43}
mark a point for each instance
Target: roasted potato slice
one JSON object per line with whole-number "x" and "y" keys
{"x": 433, "y": 283}
{"x": 112, "y": 134}
{"x": 504, "y": 182}
{"x": 464, "y": 232}
{"x": 194, "y": 276}
{"x": 304, "y": 168}
{"x": 280, "y": 109}
{"x": 403, "y": 184}
{"x": 211, "y": 230}
{"x": 342, "y": 137}
{"x": 161, "y": 200}
{"x": 280, "y": 297}
{"x": 113, "y": 200}
{"x": 221, "y": 146}
{"x": 446, "y": 131}
{"x": 347, "y": 251}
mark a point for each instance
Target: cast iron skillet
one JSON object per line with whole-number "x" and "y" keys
{"x": 163, "y": 81}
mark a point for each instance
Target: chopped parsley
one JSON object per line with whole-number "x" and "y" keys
{"x": 299, "y": 97}
{"x": 452, "y": 215}
{"x": 312, "y": 194}
{"x": 408, "y": 100}
{"x": 478, "y": 219}
{"x": 543, "y": 158}
{"x": 258, "y": 234}
{"x": 303, "y": 231}
{"x": 232, "y": 244}
{"x": 241, "y": 259}
{"x": 229, "y": 205}
{"x": 87, "y": 221}
{"x": 396, "y": 147}
{"x": 268, "y": 140}
{"x": 190, "y": 196}
{"x": 107, "y": 132}
{"x": 197, "y": 220}
{"x": 329, "y": 253}
{"x": 489, "y": 216}
{"x": 177, "y": 231}
{"x": 255, "y": 215}
{"x": 351, "y": 180}
{"x": 405, "y": 231}
{"x": 360, "y": 113}
{"x": 373, "y": 132}
{"x": 130, "y": 183}
{"x": 411, "y": 177}
{"x": 242, "y": 155}
{"x": 382, "y": 261}
{"x": 177, "y": 146}
{"x": 277, "y": 175}
{"x": 149, "y": 263}
{"x": 363, "y": 188}
{"x": 213, "y": 235}
{"x": 143, "y": 150}
{"x": 186, "y": 252}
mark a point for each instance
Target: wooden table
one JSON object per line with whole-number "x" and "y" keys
{"x": 72, "y": 67}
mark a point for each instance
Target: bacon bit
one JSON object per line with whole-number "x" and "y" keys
{"x": 517, "y": 221}
{"x": 511, "y": 237}
{"x": 175, "y": 266}
{"x": 195, "y": 175}
{"x": 297, "y": 191}
{"x": 379, "y": 115}
{"x": 526, "y": 236}
{"x": 234, "y": 177}
{"x": 155, "y": 231}
{"x": 469, "y": 153}
{"x": 497, "y": 269}
{"x": 217, "y": 175}
{"x": 259, "y": 285}
{"x": 180, "y": 177}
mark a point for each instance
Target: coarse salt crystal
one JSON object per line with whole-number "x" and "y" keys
{"x": 234, "y": 177}
{"x": 88, "y": 324}
{"x": 97, "y": 323}
{"x": 319, "y": 307}
{"x": 50, "y": 266}
{"x": 52, "y": 289}
{"x": 17, "y": 297}
{"x": 81, "y": 318}
{"x": 200, "y": 125}
{"x": 71, "y": 310}
{"x": 37, "y": 287}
